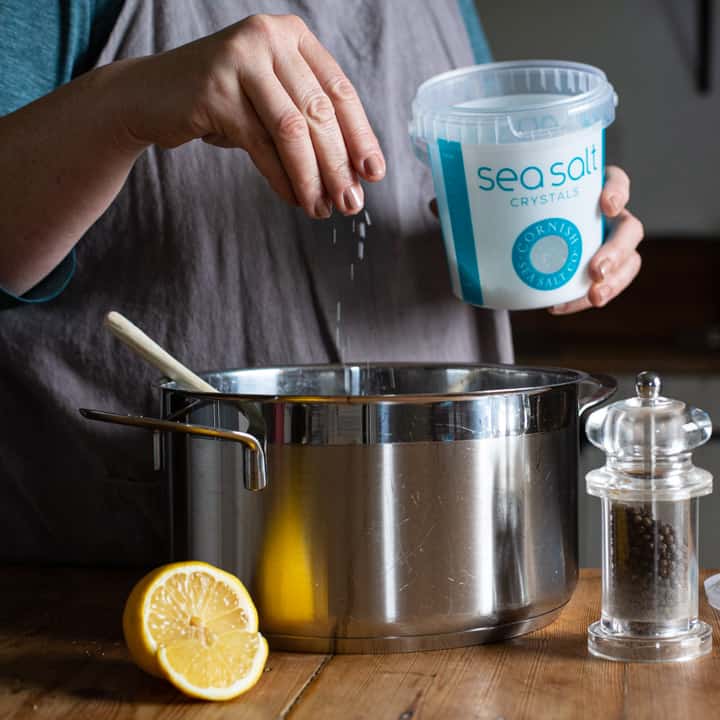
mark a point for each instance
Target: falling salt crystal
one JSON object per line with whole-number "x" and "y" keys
{"x": 353, "y": 226}
{"x": 361, "y": 250}
{"x": 334, "y": 235}
{"x": 337, "y": 335}
{"x": 366, "y": 215}
{"x": 339, "y": 311}
{"x": 361, "y": 229}
{"x": 712, "y": 590}
{"x": 352, "y": 272}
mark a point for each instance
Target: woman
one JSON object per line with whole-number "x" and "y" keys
{"x": 192, "y": 243}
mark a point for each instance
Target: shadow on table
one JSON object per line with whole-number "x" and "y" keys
{"x": 85, "y": 677}
{"x": 64, "y": 604}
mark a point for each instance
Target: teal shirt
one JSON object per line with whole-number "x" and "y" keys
{"x": 46, "y": 43}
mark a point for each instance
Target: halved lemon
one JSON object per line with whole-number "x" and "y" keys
{"x": 197, "y": 626}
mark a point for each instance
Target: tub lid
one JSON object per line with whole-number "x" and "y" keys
{"x": 510, "y": 102}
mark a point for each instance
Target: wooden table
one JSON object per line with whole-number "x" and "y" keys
{"x": 62, "y": 656}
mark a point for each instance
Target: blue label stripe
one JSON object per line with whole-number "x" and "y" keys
{"x": 603, "y": 227}
{"x": 458, "y": 202}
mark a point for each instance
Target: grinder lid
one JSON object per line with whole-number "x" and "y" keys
{"x": 648, "y": 440}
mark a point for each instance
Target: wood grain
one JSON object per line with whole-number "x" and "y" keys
{"x": 547, "y": 674}
{"x": 543, "y": 675}
{"x": 61, "y": 656}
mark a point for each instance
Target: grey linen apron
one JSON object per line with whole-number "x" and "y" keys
{"x": 199, "y": 252}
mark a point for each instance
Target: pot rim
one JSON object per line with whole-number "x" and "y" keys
{"x": 565, "y": 378}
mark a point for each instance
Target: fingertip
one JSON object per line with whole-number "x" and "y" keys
{"x": 600, "y": 269}
{"x": 353, "y": 200}
{"x": 611, "y": 205}
{"x": 373, "y": 167}
{"x": 600, "y": 295}
{"x": 323, "y": 209}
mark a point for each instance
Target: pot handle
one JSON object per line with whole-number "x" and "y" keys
{"x": 595, "y": 389}
{"x": 255, "y": 465}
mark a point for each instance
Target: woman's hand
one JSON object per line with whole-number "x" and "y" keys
{"x": 615, "y": 265}
{"x": 266, "y": 85}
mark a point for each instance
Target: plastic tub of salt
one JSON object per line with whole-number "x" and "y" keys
{"x": 517, "y": 152}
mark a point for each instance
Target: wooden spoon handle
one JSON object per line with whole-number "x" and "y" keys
{"x": 147, "y": 348}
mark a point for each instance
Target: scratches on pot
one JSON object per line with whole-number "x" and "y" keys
{"x": 405, "y": 559}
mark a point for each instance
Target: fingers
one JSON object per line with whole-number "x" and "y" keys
{"x": 361, "y": 142}
{"x": 338, "y": 175}
{"x": 304, "y": 125}
{"x": 265, "y": 157}
{"x": 616, "y": 192}
{"x": 241, "y": 127}
{"x": 612, "y": 268}
{"x": 267, "y": 161}
{"x": 602, "y": 293}
{"x": 578, "y": 305}
{"x": 626, "y": 235}
{"x": 291, "y": 136}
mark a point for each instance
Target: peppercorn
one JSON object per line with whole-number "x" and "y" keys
{"x": 648, "y": 565}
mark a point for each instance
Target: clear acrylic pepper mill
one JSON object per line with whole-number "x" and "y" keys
{"x": 649, "y": 490}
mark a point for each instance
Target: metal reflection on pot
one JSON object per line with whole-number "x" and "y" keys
{"x": 407, "y": 506}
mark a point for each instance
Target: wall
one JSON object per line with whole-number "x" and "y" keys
{"x": 666, "y": 135}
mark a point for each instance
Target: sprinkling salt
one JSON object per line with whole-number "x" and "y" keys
{"x": 359, "y": 226}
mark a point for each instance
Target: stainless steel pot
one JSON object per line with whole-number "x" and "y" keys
{"x": 397, "y": 507}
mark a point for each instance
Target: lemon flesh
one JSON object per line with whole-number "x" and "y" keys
{"x": 219, "y": 668}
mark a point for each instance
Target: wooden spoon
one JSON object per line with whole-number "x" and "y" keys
{"x": 147, "y": 348}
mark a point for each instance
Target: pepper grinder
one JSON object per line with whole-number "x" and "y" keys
{"x": 649, "y": 490}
